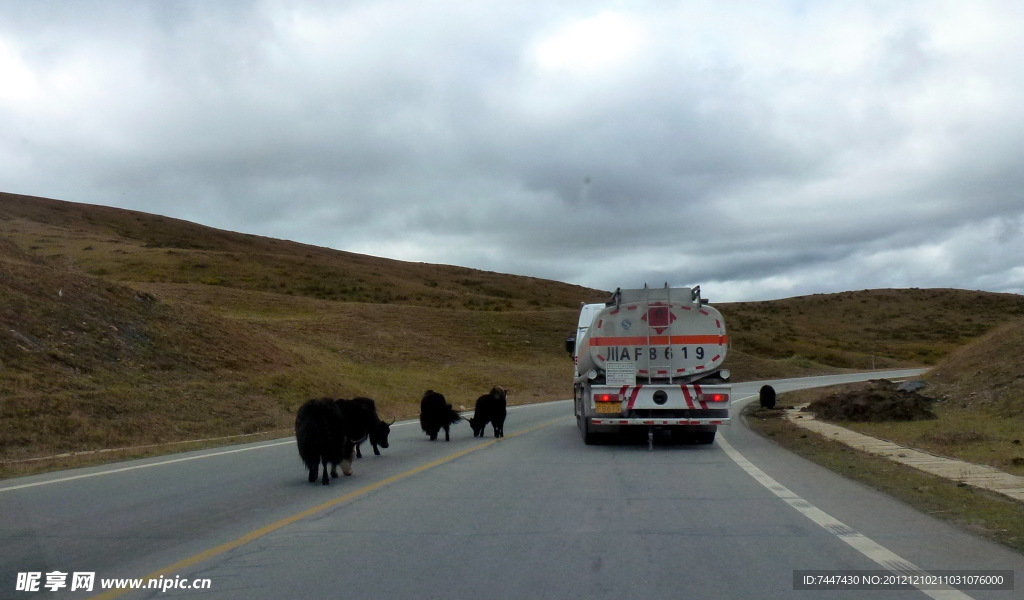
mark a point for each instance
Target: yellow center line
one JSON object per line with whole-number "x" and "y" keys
{"x": 262, "y": 531}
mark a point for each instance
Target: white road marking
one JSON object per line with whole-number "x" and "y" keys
{"x": 145, "y": 466}
{"x": 863, "y": 544}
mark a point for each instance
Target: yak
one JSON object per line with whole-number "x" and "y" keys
{"x": 490, "y": 408}
{"x": 327, "y": 431}
{"x": 437, "y": 414}
{"x": 320, "y": 435}
{"x": 357, "y": 421}
{"x": 379, "y": 429}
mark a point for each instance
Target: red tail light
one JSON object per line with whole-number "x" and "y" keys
{"x": 716, "y": 397}
{"x": 606, "y": 398}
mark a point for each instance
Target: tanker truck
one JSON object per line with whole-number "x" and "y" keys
{"x": 650, "y": 358}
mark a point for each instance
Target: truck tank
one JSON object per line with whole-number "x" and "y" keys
{"x": 664, "y": 334}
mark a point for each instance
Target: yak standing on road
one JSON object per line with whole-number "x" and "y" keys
{"x": 379, "y": 429}
{"x": 437, "y": 414}
{"x": 320, "y": 435}
{"x": 490, "y": 408}
{"x": 327, "y": 431}
{"x": 358, "y": 421}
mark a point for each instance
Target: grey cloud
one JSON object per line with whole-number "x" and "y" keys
{"x": 767, "y": 151}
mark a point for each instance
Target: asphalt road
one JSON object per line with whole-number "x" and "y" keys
{"x": 537, "y": 514}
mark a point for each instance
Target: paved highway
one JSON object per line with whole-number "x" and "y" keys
{"x": 537, "y": 514}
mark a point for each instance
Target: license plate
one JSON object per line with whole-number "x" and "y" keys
{"x": 608, "y": 408}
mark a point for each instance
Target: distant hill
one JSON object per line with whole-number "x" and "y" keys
{"x": 120, "y": 328}
{"x": 869, "y": 328}
{"x": 130, "y": 246}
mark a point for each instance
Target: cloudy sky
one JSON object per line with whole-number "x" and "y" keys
{"x": 760, "y": 148}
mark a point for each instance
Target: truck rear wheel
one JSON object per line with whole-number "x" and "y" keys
{"x": 589, "y": 437}
{"x": 583, "y": 423}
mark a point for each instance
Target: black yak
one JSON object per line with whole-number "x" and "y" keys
{"x": 357, "y": 421}
{"x": 437, "y": 414}
{"x": 379, "y": 429}
{"x": 320, "y": 435}
{"x": 490, "y": 408}
{"x": 767, "y": 396}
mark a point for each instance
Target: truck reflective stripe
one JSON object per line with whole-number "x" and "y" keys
{"x": 700, "y": 394}
{"x": 659, "y": 340}
{"x": 632, "y": 397}
{"x": 686, "y": 396}
{"x": 690, "y": 403}
{"x": 599, "y": 421}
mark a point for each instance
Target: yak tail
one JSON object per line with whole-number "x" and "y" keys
{"x": 454, "y": 416}
{"x": 310, "y": 455}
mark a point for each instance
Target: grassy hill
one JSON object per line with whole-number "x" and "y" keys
{"x": 869, "y": 328}
{"x": 121, "y": 328}
{"x": 129, "y": 246}
{"x": 979, "y": 392}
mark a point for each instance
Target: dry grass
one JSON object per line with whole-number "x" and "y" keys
{"x": 870, "y": 328}
{"x": 979, "y": 392}
{"x": 128, "y": 246}
{"x": 122, "y": 328}
{"x": 973, "y": 437}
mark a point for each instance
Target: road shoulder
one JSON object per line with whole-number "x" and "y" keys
{"x": 976, "y": 509}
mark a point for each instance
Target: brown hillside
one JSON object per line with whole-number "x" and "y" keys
{"x": 89, "y": 363}
{"x": 131, "y": 246}
{"x": 987, "y": 374}
{"x": 121, "y": 328}
{"x": 870, "y": 328}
